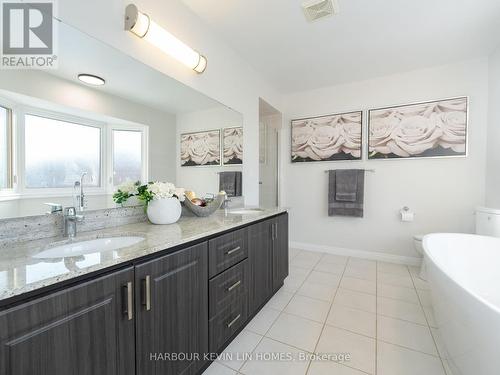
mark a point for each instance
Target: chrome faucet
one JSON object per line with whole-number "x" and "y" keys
{"x": 225, "y": 203}
{"x": 81, "y": 203}
{"x": 70, "y": 220}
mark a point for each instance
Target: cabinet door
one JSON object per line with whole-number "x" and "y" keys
{"x": 260, "y": 255}
{"x": 172, "y": 313}
{"x": 280, "y": 250}
{"x": 82, "y": 330}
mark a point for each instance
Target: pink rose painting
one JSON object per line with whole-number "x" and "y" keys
{"x": 202, "y": 148}
{"x": 432, "y": 129}
{"x": 233, "y": 146}
{"x": 327, "y": 138}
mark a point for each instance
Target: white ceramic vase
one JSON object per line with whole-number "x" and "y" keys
{"x": 164, "y": 211}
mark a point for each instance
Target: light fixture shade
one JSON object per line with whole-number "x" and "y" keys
{"x": 144, "y": 27}
{"x": 91, "y": 79}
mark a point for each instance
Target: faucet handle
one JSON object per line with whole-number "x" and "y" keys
{"x": 54, "y": 208}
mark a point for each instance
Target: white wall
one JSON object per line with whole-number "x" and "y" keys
{"x": 228, "y": 78}
{"x": 441, "y": 192}
{"x": 493, "y": 174}
{"x": 202, "y": 179}
{"x": 95, "y": 104}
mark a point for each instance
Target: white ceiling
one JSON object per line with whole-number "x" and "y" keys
{"x": 125, "y": 77}
{"x": 367, "y": 39}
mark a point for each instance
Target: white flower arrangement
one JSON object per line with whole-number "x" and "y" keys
{"x": 162, "y": 190}
{"x": 148, "y": 192}
{"x": 129, "y": 187}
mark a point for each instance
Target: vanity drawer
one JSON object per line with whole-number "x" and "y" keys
{"x": 226, "y": 250}
{"x": 227, "y": 322}
{"x": 228, "y": 287}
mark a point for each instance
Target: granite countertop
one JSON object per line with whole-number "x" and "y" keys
{"x": 21, "y": 273}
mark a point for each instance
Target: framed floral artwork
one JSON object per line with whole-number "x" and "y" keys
{"x": 232, "y": 140}
{"x": 201, "y": 148}
{"x": 327, "y": 138}
{"x": 422, "y": 130}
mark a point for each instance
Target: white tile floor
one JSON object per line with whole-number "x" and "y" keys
{"x": 379, "y": 313}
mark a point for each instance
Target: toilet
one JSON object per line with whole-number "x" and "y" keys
{"x": 487, "y": 224}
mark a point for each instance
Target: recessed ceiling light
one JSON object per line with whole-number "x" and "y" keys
{"x": 91, "y": 79}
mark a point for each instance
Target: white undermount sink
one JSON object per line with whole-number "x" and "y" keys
{"x": 246, "y": 211}
{"x": 74, "y": 249}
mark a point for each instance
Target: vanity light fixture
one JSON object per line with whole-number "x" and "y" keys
{"x": 144, "y": 27}
{"x": 91, "y": 79}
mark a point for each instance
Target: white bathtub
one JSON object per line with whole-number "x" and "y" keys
{"x": 464, "y": 274}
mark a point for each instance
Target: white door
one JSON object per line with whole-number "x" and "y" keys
{"x": 268, "y": 163}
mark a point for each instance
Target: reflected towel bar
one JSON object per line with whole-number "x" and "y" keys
{"x": 366, "y": 170}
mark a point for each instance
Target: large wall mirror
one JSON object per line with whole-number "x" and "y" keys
{"x": 59, "y": 134}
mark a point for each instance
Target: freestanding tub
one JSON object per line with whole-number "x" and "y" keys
{"x": 464, "y": 275}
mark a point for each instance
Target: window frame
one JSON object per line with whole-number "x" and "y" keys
{"x": 144, "y": 130}
{"x": 58, "y": 116}
{"x": 11, "y": 150}
{"x": 18, "y": 188}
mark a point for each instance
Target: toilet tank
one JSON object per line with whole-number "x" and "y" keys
{"x": 488, "y": 222}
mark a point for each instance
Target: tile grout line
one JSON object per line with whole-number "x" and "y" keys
{"x": 429, "y": 327}
{"x": 325, "y": 324}
{"x": 327, "y": 314}
{"x": 274, "y": 321}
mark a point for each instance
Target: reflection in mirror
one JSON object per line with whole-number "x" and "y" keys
{"x": 62, "y": 139}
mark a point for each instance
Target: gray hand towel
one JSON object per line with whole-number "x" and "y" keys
{"x": 346, "y": 185}
{"x": 346, "y": 208}
{"x": 231, "y": 183}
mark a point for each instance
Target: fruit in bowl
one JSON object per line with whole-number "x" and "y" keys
{"x": 190, "y": 195}
{"x": 206, "y": 206}
{"x": 199, "y": 202}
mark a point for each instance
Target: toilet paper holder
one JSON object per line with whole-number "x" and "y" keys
{"x": 406, "y": 214}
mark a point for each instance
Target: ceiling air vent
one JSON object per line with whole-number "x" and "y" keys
{"x": 316, "y": 9}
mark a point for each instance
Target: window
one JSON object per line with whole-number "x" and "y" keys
{"x": 58, "y": 152}
{"x": 43, "y": 153}
{"x": 127, "y": 156}
{"x": 5, "y": 149}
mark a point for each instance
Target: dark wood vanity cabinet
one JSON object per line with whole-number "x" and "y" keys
{"x": 268, "y": 249}
{"x": 134, "y": 321}
{"x": 260, "y": 244}
{"x": 82, "y": 330}
{"x": 280, "y": 251}
{"x": 172, "y": 313}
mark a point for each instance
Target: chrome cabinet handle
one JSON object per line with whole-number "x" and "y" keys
{"x": 147, "y": 292}
{"x": 234, "y": 285}
{"x": 231, "y": 323}
{"x": 129, "y": 311}
{"x": 233, "y": 250}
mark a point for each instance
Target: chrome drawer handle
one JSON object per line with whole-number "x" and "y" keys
{"x": 147, "y": 292}
{"x": 129, "y": 311}
{"x": 233, "y": 250}
{"x": 231, "y": 323}
{"x": 234, "y": 285}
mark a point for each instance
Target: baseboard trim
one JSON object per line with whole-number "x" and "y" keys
{"x": 383, "y": 257}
